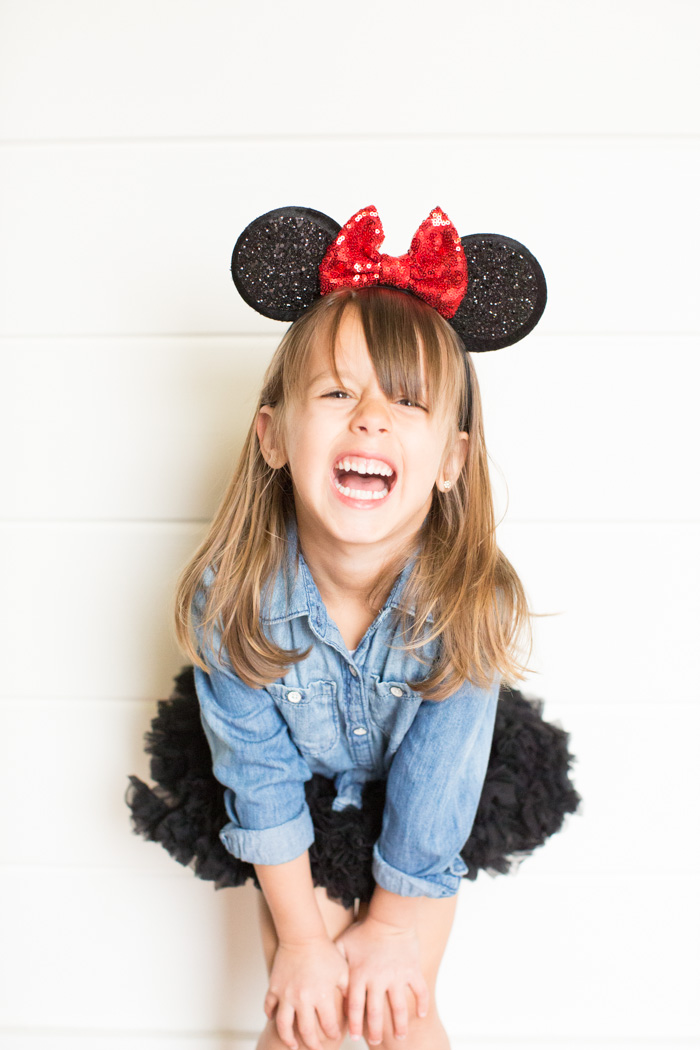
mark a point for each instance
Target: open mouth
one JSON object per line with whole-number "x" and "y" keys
{"x": 363, "y": 479}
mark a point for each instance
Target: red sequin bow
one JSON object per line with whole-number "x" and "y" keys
{"x": 435, "y": 268}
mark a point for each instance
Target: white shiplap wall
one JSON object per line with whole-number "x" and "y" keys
{"x": 136, "y": 141}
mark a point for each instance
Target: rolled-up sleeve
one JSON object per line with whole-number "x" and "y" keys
{"x": 433, "y": 792}
{"x": 255, "y": 759}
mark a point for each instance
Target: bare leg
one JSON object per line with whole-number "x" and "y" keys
{"x": 433, "y": 926}
{"x": 336, "y": 919}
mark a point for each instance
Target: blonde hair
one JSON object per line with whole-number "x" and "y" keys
{"x": 460, "y": 578}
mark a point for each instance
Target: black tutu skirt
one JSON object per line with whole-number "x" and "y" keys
{"x": 527, "y": 792}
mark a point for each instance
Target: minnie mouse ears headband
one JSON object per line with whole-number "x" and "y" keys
{"x": 490, "y": 288}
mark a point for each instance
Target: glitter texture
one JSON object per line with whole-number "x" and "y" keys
{"x": 506, "y": 294}
{"x": 276, "y": 259}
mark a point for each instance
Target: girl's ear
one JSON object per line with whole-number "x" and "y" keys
{"x": 273, "y": 456}
{"x": 454, "y": 461}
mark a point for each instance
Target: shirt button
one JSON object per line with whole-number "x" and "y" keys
{"x": 294, "y": 697}
{"x": 353, "y": 672}
{"x": 395, "y": 691}
{"x": 360, "y": 731}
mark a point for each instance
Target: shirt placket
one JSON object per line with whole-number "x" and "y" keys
{"x": 353, "y": 701}
{"x": 358, "y": 730}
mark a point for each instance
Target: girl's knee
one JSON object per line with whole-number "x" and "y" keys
{"x": 270, "y": 1039}
{"x": 423, "y": 1033}
{"x": 326, "y": 1043}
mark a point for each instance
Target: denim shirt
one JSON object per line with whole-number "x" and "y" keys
{"x": 351, "y": 717}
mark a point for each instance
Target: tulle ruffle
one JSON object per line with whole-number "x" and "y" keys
{"x": 527, "y": 793}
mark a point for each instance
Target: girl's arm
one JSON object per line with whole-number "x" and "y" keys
{"x": 384, "y": 960}
{"x": 270, "y": 826}
{"x": 308, "y": 968}
{"x": 433, "y": 791}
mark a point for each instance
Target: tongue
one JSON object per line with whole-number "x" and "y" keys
{"x": 364, "y": 482}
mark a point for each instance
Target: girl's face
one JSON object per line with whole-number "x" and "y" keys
{"x": 363, "y": 465}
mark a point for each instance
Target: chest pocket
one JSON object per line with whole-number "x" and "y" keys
{"x": 393, "y": 706}
{"x": 311, "y": 713}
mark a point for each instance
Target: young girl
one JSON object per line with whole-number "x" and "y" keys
{"x": 353, "y": 618}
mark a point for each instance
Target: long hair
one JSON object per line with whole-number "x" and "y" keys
{"x": 462, "y": 591}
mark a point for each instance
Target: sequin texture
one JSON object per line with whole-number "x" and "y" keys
{"x": 434, "y": 269}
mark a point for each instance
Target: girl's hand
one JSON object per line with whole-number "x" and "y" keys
{"x": 384, "y": 960}
{"x": 303, "y": 984}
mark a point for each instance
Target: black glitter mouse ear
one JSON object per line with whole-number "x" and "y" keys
{"x": 506, "y": 294}
{"x": 276, "y": 259}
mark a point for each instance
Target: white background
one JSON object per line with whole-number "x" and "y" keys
{"x": 137, "y": 139}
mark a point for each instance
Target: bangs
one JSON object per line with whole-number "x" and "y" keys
{"x": 414, "y": 351}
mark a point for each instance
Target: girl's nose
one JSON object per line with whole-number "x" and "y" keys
{"x": 372, "y": 416}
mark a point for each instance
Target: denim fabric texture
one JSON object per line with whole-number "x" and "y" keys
{"x": 352, "y": 718}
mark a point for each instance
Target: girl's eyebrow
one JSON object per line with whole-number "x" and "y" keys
{"x": 328, "y": 374}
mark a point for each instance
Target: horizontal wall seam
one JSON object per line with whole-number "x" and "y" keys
{"x": 131, "y": 1033}
{"x": 474, "y": 1042}
{"x": 547, "y": 137}
{"x": 565, "y": 874}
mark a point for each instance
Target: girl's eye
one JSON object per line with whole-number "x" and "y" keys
{"x": 411, "y": 404}
{"x": 341, "y": 394}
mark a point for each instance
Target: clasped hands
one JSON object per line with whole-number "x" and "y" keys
{"x": 369, "y": 962}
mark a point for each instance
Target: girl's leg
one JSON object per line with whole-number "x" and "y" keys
{"x": 336, "y": 918}
{"x": 433, "y": 926}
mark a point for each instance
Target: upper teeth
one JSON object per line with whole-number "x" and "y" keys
{"x": 365, "y": 466}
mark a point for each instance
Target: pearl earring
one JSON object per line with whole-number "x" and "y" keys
{"x": 447, "y": 485}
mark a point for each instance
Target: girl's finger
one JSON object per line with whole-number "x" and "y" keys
{"x": 328, "y": 1019}
{"x": 344, "y": 981}
{"x": 270, "y": 1003}
{"x": 375, "y": 1016}
{"x": 308, "y": 1029}
{"x": 285, "y": 1025}
{"x": 356, "y": 1009}
{"x": 399, "y": 1011}
{"x": 420, "y": 990}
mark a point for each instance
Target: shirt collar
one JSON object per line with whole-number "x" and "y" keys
{"x": 295, "y": 593}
